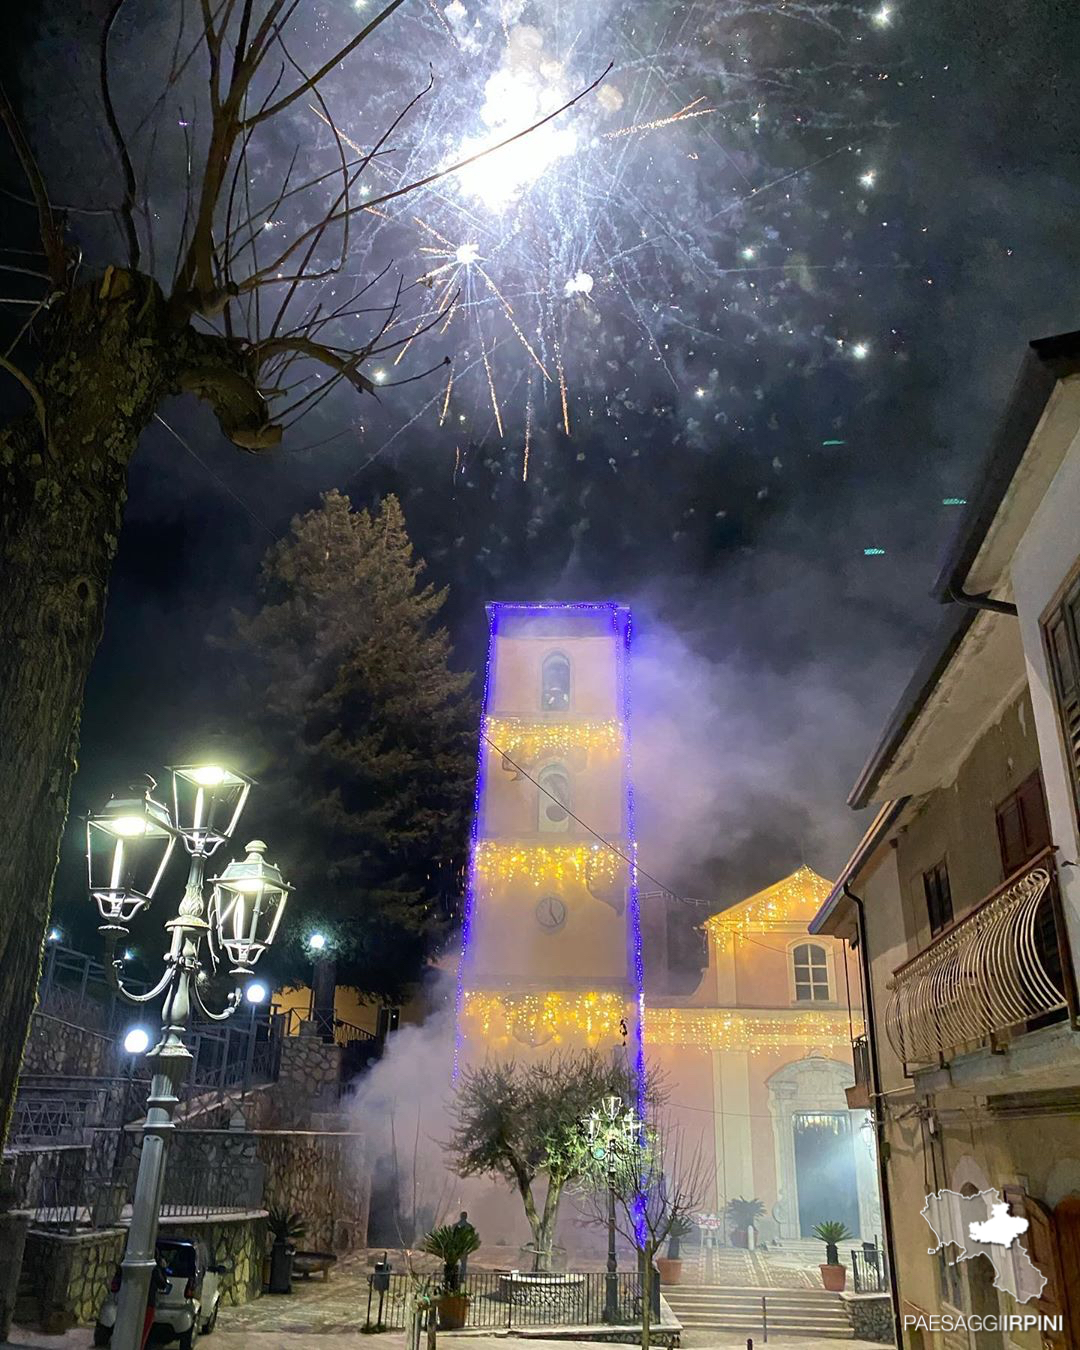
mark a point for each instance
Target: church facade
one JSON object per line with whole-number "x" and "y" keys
{"x": 758, "y": 1058}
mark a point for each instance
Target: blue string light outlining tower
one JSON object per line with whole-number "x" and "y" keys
{"x": 551, "y": 951}
{"x": 128, "y": 848}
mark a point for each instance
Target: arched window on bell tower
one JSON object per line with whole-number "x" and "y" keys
{"x": 553, "y": 806}
{"x": 555, "y": 683}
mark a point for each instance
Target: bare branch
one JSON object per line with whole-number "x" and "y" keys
{"x": 265, "y": 114}
{"x": 51, "y": 238}
{"x": 127, "y": 206}
{"x": 32, "y": 389}
{"x": 259, "y": 277}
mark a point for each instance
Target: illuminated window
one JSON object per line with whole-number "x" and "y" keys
{"x": 553, "y": 814}
{"x": 811, "y": 971}
{"x": 555, "y": 683}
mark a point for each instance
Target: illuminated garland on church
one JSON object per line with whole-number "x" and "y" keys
{"x": 530, "y": 741}
{"x": 535, "y": 1019}
{"x": 783, "y": 903}
{"x": 734, "y": 1029}
{"x": 547, "y": 864}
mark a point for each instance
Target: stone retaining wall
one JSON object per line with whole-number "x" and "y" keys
{"x": 871, "y": 1316}
{"x": 65, "y": 1277}
{"x": 55, "y": 1046}
{"x": 323, "y": 1175}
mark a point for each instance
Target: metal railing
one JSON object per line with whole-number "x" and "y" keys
{"x": 76, "y": 988}
{"x": 327, "y": 1026}
{"x": 869, "y": 1271}
{"x": 501, "y": 1300}
{"x": 1003, "y": 969}
{"x": 70, "y": 1199}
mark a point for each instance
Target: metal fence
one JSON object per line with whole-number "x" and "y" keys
{"x": 69, "y": 1198}
{"x": 501, "y": 1300}
{"x": 869, "y": 1269}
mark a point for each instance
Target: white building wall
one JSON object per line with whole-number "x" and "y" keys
{"x": 1045, "y": 557}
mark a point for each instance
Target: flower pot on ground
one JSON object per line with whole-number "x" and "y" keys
{"x": 833, "y": 1278}
{"x": 453, "y": 1310}
{"x": 670, "y": 1270}
{"x": 670, "y": 1266}
{"x": 452, "y": 1243}
{"x": 285, "y": 1228}
{"x": 833, "y": 1275}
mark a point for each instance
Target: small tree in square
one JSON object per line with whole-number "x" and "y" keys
{"x": 658, "y": 1183}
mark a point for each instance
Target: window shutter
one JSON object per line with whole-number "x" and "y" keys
{"x": 1061, "y": 634}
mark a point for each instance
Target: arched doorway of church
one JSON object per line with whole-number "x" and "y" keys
{"x": 825, "y": 1170}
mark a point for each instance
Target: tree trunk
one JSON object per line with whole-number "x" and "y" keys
{"x": 61, "y": 501}
{"x": 646, "y": 1295}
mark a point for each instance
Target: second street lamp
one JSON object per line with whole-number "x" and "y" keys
{"x": 612, "y": 1131}
{"x": 129, "y": 844}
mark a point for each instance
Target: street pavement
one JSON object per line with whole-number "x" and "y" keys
{"x": 395, "y": 1340}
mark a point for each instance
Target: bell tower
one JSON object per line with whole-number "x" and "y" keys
{"x": 551, "y": 952}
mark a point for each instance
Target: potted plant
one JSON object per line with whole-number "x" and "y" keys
{"x": 452, "y": 1243}
{"x": 833, "y": 1274}
{"x": 670, "y": 1266}
{"x": 285, "y": 1228}
{"x": 743, "y": 1214}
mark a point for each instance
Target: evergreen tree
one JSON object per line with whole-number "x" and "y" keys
{"x": 368, "y": 741}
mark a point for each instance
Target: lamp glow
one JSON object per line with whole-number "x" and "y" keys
{"x": 208, "y": 775}
{"x": 316, "y": 942}
{"x": 136, "y": 1041}
{"x": 128, "y": 827}
{"x": 256, "y": 992}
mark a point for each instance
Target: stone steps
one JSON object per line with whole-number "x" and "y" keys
{"x": 789, "y": 1312}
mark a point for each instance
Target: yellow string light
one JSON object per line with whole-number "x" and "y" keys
{"x": 551, "y": 864}
{"x": 790, "y": 899}
{"x": 536, "y": 1019}
{"x": 733, "y": 1029}
{"x": 529, "y": 741}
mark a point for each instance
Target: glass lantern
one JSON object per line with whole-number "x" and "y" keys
{"x": 128, "y": 846}
{"x": 247, "y": 907}
{"x": 207, "y": 802}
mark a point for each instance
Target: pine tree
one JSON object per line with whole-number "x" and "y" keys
{"x": 369, "y": 745}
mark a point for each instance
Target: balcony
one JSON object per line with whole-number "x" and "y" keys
{"x": 1002, "y": 970}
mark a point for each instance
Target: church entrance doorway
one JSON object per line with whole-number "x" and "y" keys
{"x": 825, "y": 1170}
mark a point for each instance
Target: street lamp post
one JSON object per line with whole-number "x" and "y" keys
{"x": 129, "y": 845}
{"x": 612, "y": 1130}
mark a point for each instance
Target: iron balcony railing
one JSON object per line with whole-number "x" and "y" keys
{"x": 1002, "y": 970}
{"x": 502, "y": 1300}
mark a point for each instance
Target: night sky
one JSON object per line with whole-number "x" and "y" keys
{"x": 785, "y": 323}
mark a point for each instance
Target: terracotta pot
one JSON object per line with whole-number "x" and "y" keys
{"x": 453, "y": 1309}
{"x": 834, "y": 1278}
{"x": 670, "y": 1269}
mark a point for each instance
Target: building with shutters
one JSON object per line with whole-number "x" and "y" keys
{"x": 963, "y": 899}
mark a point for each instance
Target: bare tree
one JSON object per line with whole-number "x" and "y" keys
{"x": 658, "y": 1186}
{"x": 240, "y": 320}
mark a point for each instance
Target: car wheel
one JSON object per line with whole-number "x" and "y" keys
{"x": 211, "y": 1321}
{"x": 102, "y": 1334}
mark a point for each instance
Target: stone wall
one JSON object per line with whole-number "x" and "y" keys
{"x": 238, "y": 1243}
{"x": 325, "y": 1177}
{"x": 58, "y": 1047}
{"x": 309, "y": 1080}
{"x": 871, "y": 1316}
{"x": 65, "y": 1278}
